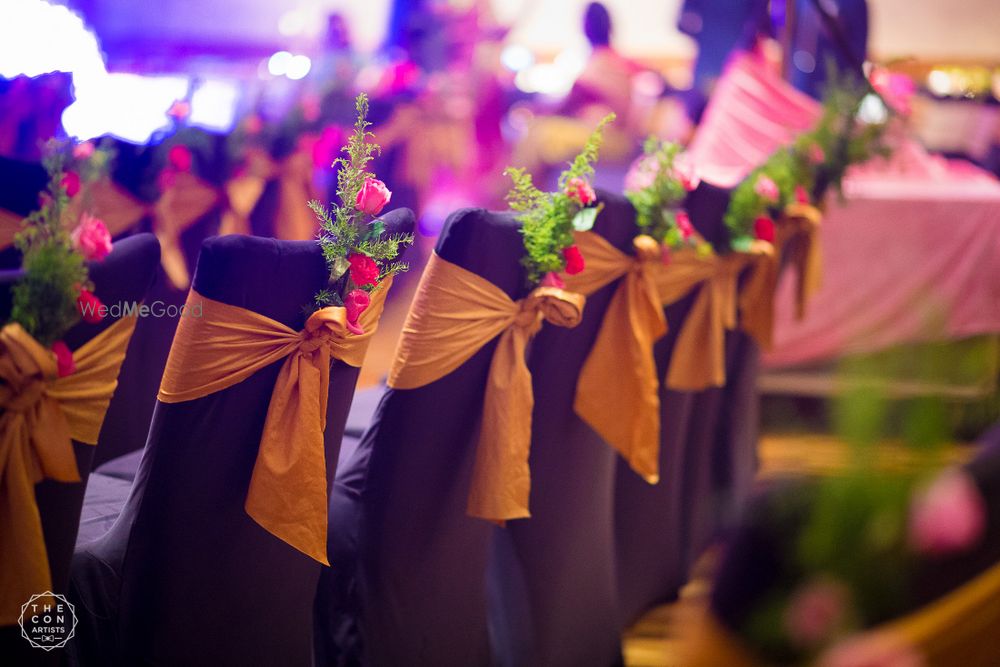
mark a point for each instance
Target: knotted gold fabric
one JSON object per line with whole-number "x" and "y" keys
{"x": 958, "y": 630}
{"x": 293, "y": 220}
{"x": 42, "y": 415}
{"x": 224, "y": 345}
{"x": 455, "y": 313}
{"x": 796, "y": 238}
{"x": 618, "y": 390}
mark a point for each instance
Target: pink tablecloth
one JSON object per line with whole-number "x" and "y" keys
{"x": 908, "y": 257}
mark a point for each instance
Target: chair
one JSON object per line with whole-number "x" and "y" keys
{"x": 707, "y": 455}
{"x": 185, "y": 576}
{"x": 755, "y": 560}
{"x": 123, "y": 276}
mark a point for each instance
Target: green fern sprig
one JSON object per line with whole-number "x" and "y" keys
{"x": 547, "y": 217}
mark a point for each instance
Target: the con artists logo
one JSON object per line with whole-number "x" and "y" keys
{"x": 47, "y": 621}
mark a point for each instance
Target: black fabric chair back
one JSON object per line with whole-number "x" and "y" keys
{"x": 707, "y": 454}
{"x": 124, "y": 276}
{"x": 406, "y": 560}
{"x": 555, "y": 576}
{"x": 185, "y": 576}
{"x": 23, "y": 181}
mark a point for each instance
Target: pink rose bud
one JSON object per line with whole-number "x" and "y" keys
{"x": 253, "y": 124}
{"x": 179, "y": 157}
{"x": 801, "y": 196}
{"x": 574, "y": 260}
{"x": 947, "y": 516}
{"x": 684, "y": 225}
{"x": 685, "y": 172}
{"x": 179, "y": 110}
{"x": 642, "y": 174}
{"x": 553, "y": 280}
{"x": 89, "y": 306}
{"x": 372, "y": 197}
{"x": 355, "y": 303}
{"x": 71, "y": 182}
{"x": 763, "y": 229}
{"x": 815, "y": 612}
{"x": 64, "y": 359}
{"x": 579, "y": 190}
{"x": 816, "y": 154}
{"x": 766, "y": 188}
{"x": 91, "y": 238}
{"x": 84, "y": 150}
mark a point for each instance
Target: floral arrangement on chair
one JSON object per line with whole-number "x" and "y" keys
{"x": 55, "y": 291}
{"x": 548, "y": 219}
{"x": 803, "y": 172}
{"x": 358, "y": 256}
{"x": 657, "y": 185}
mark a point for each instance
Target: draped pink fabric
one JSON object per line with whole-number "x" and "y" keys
{"x": 752, "y": 113}
{"x": 913, "y": 254}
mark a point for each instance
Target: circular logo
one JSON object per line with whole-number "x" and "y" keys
{"x": 47, "y": 621}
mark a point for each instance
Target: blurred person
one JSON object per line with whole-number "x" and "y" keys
{"x": 826, "y": 32}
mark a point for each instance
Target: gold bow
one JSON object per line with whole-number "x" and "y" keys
{"x": 795, "y": 238}
{"x": 293, "y": 219}
{"x": 42, "y": 414}
{"x": 456, "y": 312}
{"x": 226, "y": 344}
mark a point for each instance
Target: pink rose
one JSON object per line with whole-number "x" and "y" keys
{"x": 876, "y": 649}
{"x": 763, "y": 229}
{"x": 896, "y": 89}
{"x": 372, "y": 197}
{"x": 71, "y": 182}
{"x": 642, "y": 174}
{"x": 766, "y": 188}
{"x": 89, "y": 306}
{"x": 947, "y": 516}
{"x": 179, "y": 157}
{"x": 364, "y": 270}
{"x": 91, "y": 238}
{"x": 553, "y": 280}
{"x": 179, "y": 110}
{"x": 355, "y": 303}
{"x": 815, "y": 612}
{"x": 84, "y": 150}
{"x": 684, "y": 225}
{"x": 816, "y": 154}
{"x": 574, "y": 260}
{"x": 64, "y": 359}
{"x": 579, "y": 190}
{"x": 684, "y": 171}
{"x": 801, "y": 195}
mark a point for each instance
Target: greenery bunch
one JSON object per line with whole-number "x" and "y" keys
{"x": 346, "y": 230}
{"x": 548, "y": 219}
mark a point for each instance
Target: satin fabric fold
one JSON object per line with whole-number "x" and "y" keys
{"x": 454, "y": 314}
{"x": 294, "y": 221}
{"x": 797, "y": 240}
{"x": 618, "y": 390}
{"x": 957, "y": 630}
{"x": 42, "y": 415}
{"x": 220, "y": 345}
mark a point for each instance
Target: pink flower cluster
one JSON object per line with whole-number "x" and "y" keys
{"x": 580, "y": 191}
{"x": 91, "y": 238}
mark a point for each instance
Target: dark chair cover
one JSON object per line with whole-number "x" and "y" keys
{"x": 431, "y": 585}
{"x": 185, "y": 576}
{"x": 407, "y": 564}
{"x": 124, "y": 276}
{"x": 707, "y": 455}
{"x": 22, "y": 183}
{"x": 756, "y": 559}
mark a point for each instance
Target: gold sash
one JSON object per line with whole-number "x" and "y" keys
{"x": 227, "y": 344}
{"x": 294, "y": 221}
{"x": 456, "y": 312}
{"x": 958, "y": 630}
{"x": 796, "y": 236}
{"x": 42, "y": 414}
{"x": 618, "y": 391}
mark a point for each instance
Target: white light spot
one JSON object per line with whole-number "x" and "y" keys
{"x": 298, "y": 67}
{"x": 278, "y": 63}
